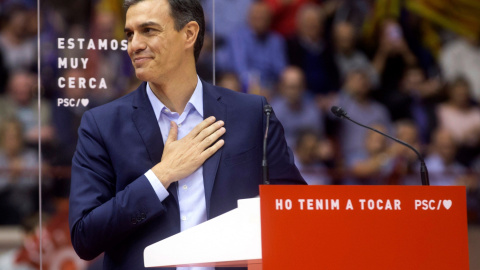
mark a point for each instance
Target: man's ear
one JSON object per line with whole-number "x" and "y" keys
{"x": 191, "y": 32}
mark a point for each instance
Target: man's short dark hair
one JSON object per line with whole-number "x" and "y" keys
{"x": 183, "y": 12}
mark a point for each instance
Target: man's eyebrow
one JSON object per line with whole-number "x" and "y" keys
{"x": 143, "y": 25}
{"x": 149, "y": 23}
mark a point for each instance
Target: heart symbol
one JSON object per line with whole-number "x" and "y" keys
{"x": 85, "y": 102}
{"x": 447, "y": 204}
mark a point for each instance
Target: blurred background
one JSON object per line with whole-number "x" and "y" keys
{"x": 410, "y": 68}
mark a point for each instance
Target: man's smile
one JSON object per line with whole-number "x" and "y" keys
{"x": 139, "y": 60}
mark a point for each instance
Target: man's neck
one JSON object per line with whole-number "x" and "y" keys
{"x": 176, "y": 90}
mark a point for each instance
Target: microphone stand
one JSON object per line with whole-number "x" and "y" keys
{"x": 267, "y": 109}
{"x": 339, "y": 112}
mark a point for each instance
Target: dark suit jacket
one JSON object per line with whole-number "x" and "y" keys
{"x": 114, "y": 209}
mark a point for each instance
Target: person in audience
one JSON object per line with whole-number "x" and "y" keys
{"x": 406, "y": 162}
{"x": 230, "y": 81}
{"x": 18, "y": 174}
{"x": 356, "y": 12}
{"x": 354, "y": 98}
{"x": 21, "y": 103}
{"x": 462, "y": 119}
{"x": 423, "y": 40}
{"x": 375, "y": 164}
{"x": 284, "y": 14}
{"x": 347, "y": 56}
{"x": 256, "y": 54}
{"x": 443, "y": 168}
{"x": 460, "y": 58}
{"x": 229, "y": 17}
{"x": 386, "y": 162}
{"x": 308, "y": 50}
{"x": 17, "y": 46}
{"x": 416, "y": 100}
{"x": 390, "y": 59}
{"x": 293, "y": 107}
{"x": 311, "y": 152}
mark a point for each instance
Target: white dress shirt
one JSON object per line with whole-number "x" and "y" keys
{"x": 191, "y": 192}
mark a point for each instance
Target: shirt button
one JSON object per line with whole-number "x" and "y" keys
{"x": 185, "y": 187}
{"x": 184, "y": 218}
{"x": 179, "y": 125}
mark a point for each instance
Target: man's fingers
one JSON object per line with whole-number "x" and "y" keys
{"x": 209, "y": 131}
{"x": 212, "y": 149}
{"x": 173, "y": 134}
{"x": 209, "y": 140}
{"x": 198, "y": 128}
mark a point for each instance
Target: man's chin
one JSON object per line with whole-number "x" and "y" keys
{"x": 141, "y": 75}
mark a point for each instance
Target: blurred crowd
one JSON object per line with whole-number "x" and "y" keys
{"x": 390, "y": 64}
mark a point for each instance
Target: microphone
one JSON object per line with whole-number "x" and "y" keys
{"x": 338, "y": 111}
{"x": 267, "y": 110}
{"x": 341, "y": 113}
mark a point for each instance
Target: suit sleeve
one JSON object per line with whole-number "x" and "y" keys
{"x": 99, "y": 215}
{"x": 282, "y": 169}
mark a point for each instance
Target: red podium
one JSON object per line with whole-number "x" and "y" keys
{"x": 330, "y": 227}
{"x": 364, "y": 227}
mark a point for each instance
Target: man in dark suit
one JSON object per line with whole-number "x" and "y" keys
{"x": 160, "y": 159}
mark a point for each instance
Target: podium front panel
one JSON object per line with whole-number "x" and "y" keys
{"x": 364, "y": 227}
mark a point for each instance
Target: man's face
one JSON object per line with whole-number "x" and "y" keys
{"x": 292, "y": 85}
{"x": 310, "y": 25}
{"x": 20, "y": 88}
{"x": 344, "y": 37}
{"x": 358, "y": 84}
{"x": 259, "y": 18}
{"x": 154, "y": 46}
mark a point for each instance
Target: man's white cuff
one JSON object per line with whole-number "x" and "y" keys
{"x": 157, "y": 186}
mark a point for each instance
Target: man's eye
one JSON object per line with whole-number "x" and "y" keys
{"x": 148, "y": 30}
{"x": 129, "y": 35}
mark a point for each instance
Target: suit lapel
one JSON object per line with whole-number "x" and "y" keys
{"x": 212, "y": 106}
{"x": 147, "y": 126}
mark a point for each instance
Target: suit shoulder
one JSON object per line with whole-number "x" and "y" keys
{"x": 241, "y": 99}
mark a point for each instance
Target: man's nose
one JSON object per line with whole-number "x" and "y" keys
{"x": 137, "y": 43}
